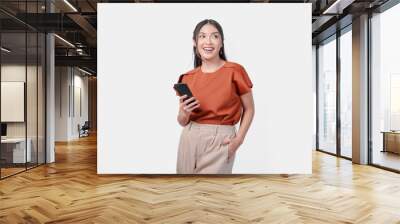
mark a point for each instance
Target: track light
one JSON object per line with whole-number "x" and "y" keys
{"x": 70, "y": 5}
{"x": 5, "y": 50}
{"x": 64, "y": 40}
{"x": 338, "y": 6}
{"x": 84, "y": 71}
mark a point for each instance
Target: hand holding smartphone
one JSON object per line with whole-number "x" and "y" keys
{"x": 188, "y": 102}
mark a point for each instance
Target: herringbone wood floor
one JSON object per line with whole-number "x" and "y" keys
{"x": 70, "y": 191}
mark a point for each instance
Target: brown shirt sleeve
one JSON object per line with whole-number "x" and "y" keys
{"x": 242, "y": 81}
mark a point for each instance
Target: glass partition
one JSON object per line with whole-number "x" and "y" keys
{"x": 22, "y": 77}
{"x": 13, "y": 109}
{"x": 327, "y": 96}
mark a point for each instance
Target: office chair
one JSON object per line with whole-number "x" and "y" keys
{"x": 84, "y": 130}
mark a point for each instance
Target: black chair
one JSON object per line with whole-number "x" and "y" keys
{"x": 84, "y": 130}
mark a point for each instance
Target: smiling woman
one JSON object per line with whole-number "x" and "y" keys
{"x": 209, "y": 140}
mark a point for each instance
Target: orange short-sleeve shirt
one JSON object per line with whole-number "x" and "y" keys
{"x": 218, "y": 93}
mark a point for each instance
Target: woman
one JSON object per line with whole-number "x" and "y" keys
{"x": 221, "y": 97}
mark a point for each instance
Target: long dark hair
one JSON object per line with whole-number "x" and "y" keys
{"x": 197, "y": 58}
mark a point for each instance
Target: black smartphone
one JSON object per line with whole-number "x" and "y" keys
{"x": 183, "y": 89}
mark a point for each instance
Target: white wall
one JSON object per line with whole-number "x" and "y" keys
{"x": 61, "y": 103}
{"x": 68, "y": 83}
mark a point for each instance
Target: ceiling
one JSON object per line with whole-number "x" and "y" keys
{"x": 76, "y": 22}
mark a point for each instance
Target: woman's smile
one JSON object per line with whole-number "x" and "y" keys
{"x": 208, "y": 50}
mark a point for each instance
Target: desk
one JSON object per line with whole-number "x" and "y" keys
{"x": 391, "y": 141}
{"x": 13, "y": 150}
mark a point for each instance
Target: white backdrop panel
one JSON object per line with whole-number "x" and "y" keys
{"x": 142, "y": 49}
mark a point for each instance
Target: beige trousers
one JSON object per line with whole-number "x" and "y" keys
{"x": 201, "y": 149}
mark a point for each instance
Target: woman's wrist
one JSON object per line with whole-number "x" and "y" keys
{"x": 183, "y": 119}
{"x": 240, "y": 138}
{"x": 184, "y": 115}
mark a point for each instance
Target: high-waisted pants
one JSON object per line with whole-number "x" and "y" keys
{"x": 202, "y": 151}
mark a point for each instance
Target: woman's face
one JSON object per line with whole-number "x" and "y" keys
{"x": 209, "y": 42}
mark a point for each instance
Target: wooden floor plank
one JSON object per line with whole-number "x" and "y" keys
{"x": 70, "y": 191}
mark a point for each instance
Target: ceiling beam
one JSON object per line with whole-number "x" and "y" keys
{"x": 85, "y": 61}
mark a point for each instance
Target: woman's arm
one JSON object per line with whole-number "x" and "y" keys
{"x": 182, "y": 119}
{"x": 186, "y": 106}
{"x": 247, "y": 116}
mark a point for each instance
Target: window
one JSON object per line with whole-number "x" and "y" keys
{"x": 385, "y": 88}
{"x": 346, "y": 93}
{"x": 327, "y": 96}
